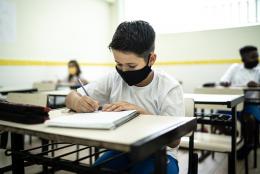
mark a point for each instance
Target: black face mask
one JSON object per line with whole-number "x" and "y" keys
{"x": 135, "y": 77}
{"x": 251, "y": 65}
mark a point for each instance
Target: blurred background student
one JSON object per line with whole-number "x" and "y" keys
{"x": 246, "y": 74}
{"x": 74, "y": 72}
{"x": 71, "y": 81}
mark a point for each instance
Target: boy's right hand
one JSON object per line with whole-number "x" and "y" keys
{"x": 86, "y": 104}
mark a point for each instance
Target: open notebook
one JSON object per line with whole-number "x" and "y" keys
{"x": 95, "y": 120}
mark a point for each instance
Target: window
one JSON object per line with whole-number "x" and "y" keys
{"x": 169, "y": 16}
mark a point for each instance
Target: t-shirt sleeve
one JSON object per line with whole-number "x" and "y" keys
{"x": 100, "y": 89}
{"x": 227, "y": 77}
{"x": 172, "y": 104}
{"x": 258, "y": 75}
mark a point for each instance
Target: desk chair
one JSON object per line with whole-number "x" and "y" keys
{"x": 214, "y": 143}
{"x": 193, "y": 157}
{"x": 237, "y": 91}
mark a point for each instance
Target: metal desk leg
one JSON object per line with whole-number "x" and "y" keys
{"x": 191, "y": 147}
{"x": 96, "y": 150}
{"x": 4, "y": 139}
{"x": 256, "y": 144}
{"x": 77, "y": 153}
{"x": 90, "y": 153}
{"x": 17, "y": 143}
{"x": 45, "y": 148}
{"x": 54, "y": 101}
{"x": 161, "y": 161}
{"x": 233, "y": 155}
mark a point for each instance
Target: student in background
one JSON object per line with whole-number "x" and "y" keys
{"x": 246, "y": 74}
{"x": 133, "y": 86}
{"x": 74, "y": 72}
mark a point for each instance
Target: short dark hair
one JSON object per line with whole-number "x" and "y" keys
{"x": 135, "y": 36}
{"x": 246, "y": 49}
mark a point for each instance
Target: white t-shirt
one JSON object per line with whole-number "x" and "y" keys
{"x": 163, "y": 96}
{"x": 238, "y": 75}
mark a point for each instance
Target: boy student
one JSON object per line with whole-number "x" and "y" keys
{"x": 246, "y": 74}
{"x": 133, "y": 86}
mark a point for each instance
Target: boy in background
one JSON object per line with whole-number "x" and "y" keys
{"x": 246, "y": 74}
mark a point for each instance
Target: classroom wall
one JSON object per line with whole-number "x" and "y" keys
{"x": 55, "y": 30}
{"x": 211, "y": 49}
{"x": 60, "y": 30}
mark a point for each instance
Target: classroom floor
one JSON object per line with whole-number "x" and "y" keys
{"x": 219, "y": 165}
{"x": 208, "y": 166}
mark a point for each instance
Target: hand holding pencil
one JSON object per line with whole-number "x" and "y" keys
{"x": 86, "y": 103}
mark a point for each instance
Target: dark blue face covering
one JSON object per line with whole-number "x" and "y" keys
{"x": 251, "y": 65}
{"x": 134, "y": 77}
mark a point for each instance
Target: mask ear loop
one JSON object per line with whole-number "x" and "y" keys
{"x": 148, "y": 59}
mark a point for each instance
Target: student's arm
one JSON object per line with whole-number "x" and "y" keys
{"x": 226, "y": 78}
{"x": 121, "y": 106}
{"x": 99, "y": 89}
{"x": 98, "y": 92}
{"x": 255, "y": 83}
{"x": 79, "y": 103}
{"x": 172, "y": 104}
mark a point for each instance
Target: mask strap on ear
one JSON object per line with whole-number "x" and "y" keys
{"x": 148, "y": 59}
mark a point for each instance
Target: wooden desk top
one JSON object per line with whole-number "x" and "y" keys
{"x": 142, "y": 135}
{"x": 214, "y": 99}
{"x": 220, "y": 90}
{"x": 225, "y": 90}
{"x": 5, "y": 90}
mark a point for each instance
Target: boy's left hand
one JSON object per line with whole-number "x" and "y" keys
{"x": 122, "y": 106}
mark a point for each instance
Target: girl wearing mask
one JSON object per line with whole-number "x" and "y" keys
{"x": 74, "y": 72}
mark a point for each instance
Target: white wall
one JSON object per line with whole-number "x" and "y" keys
{"x": 212, "y": 44}
{"x": 203, "y": 45}
{"x": 56, "y": 30}
{"x": 59, "y": 30}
